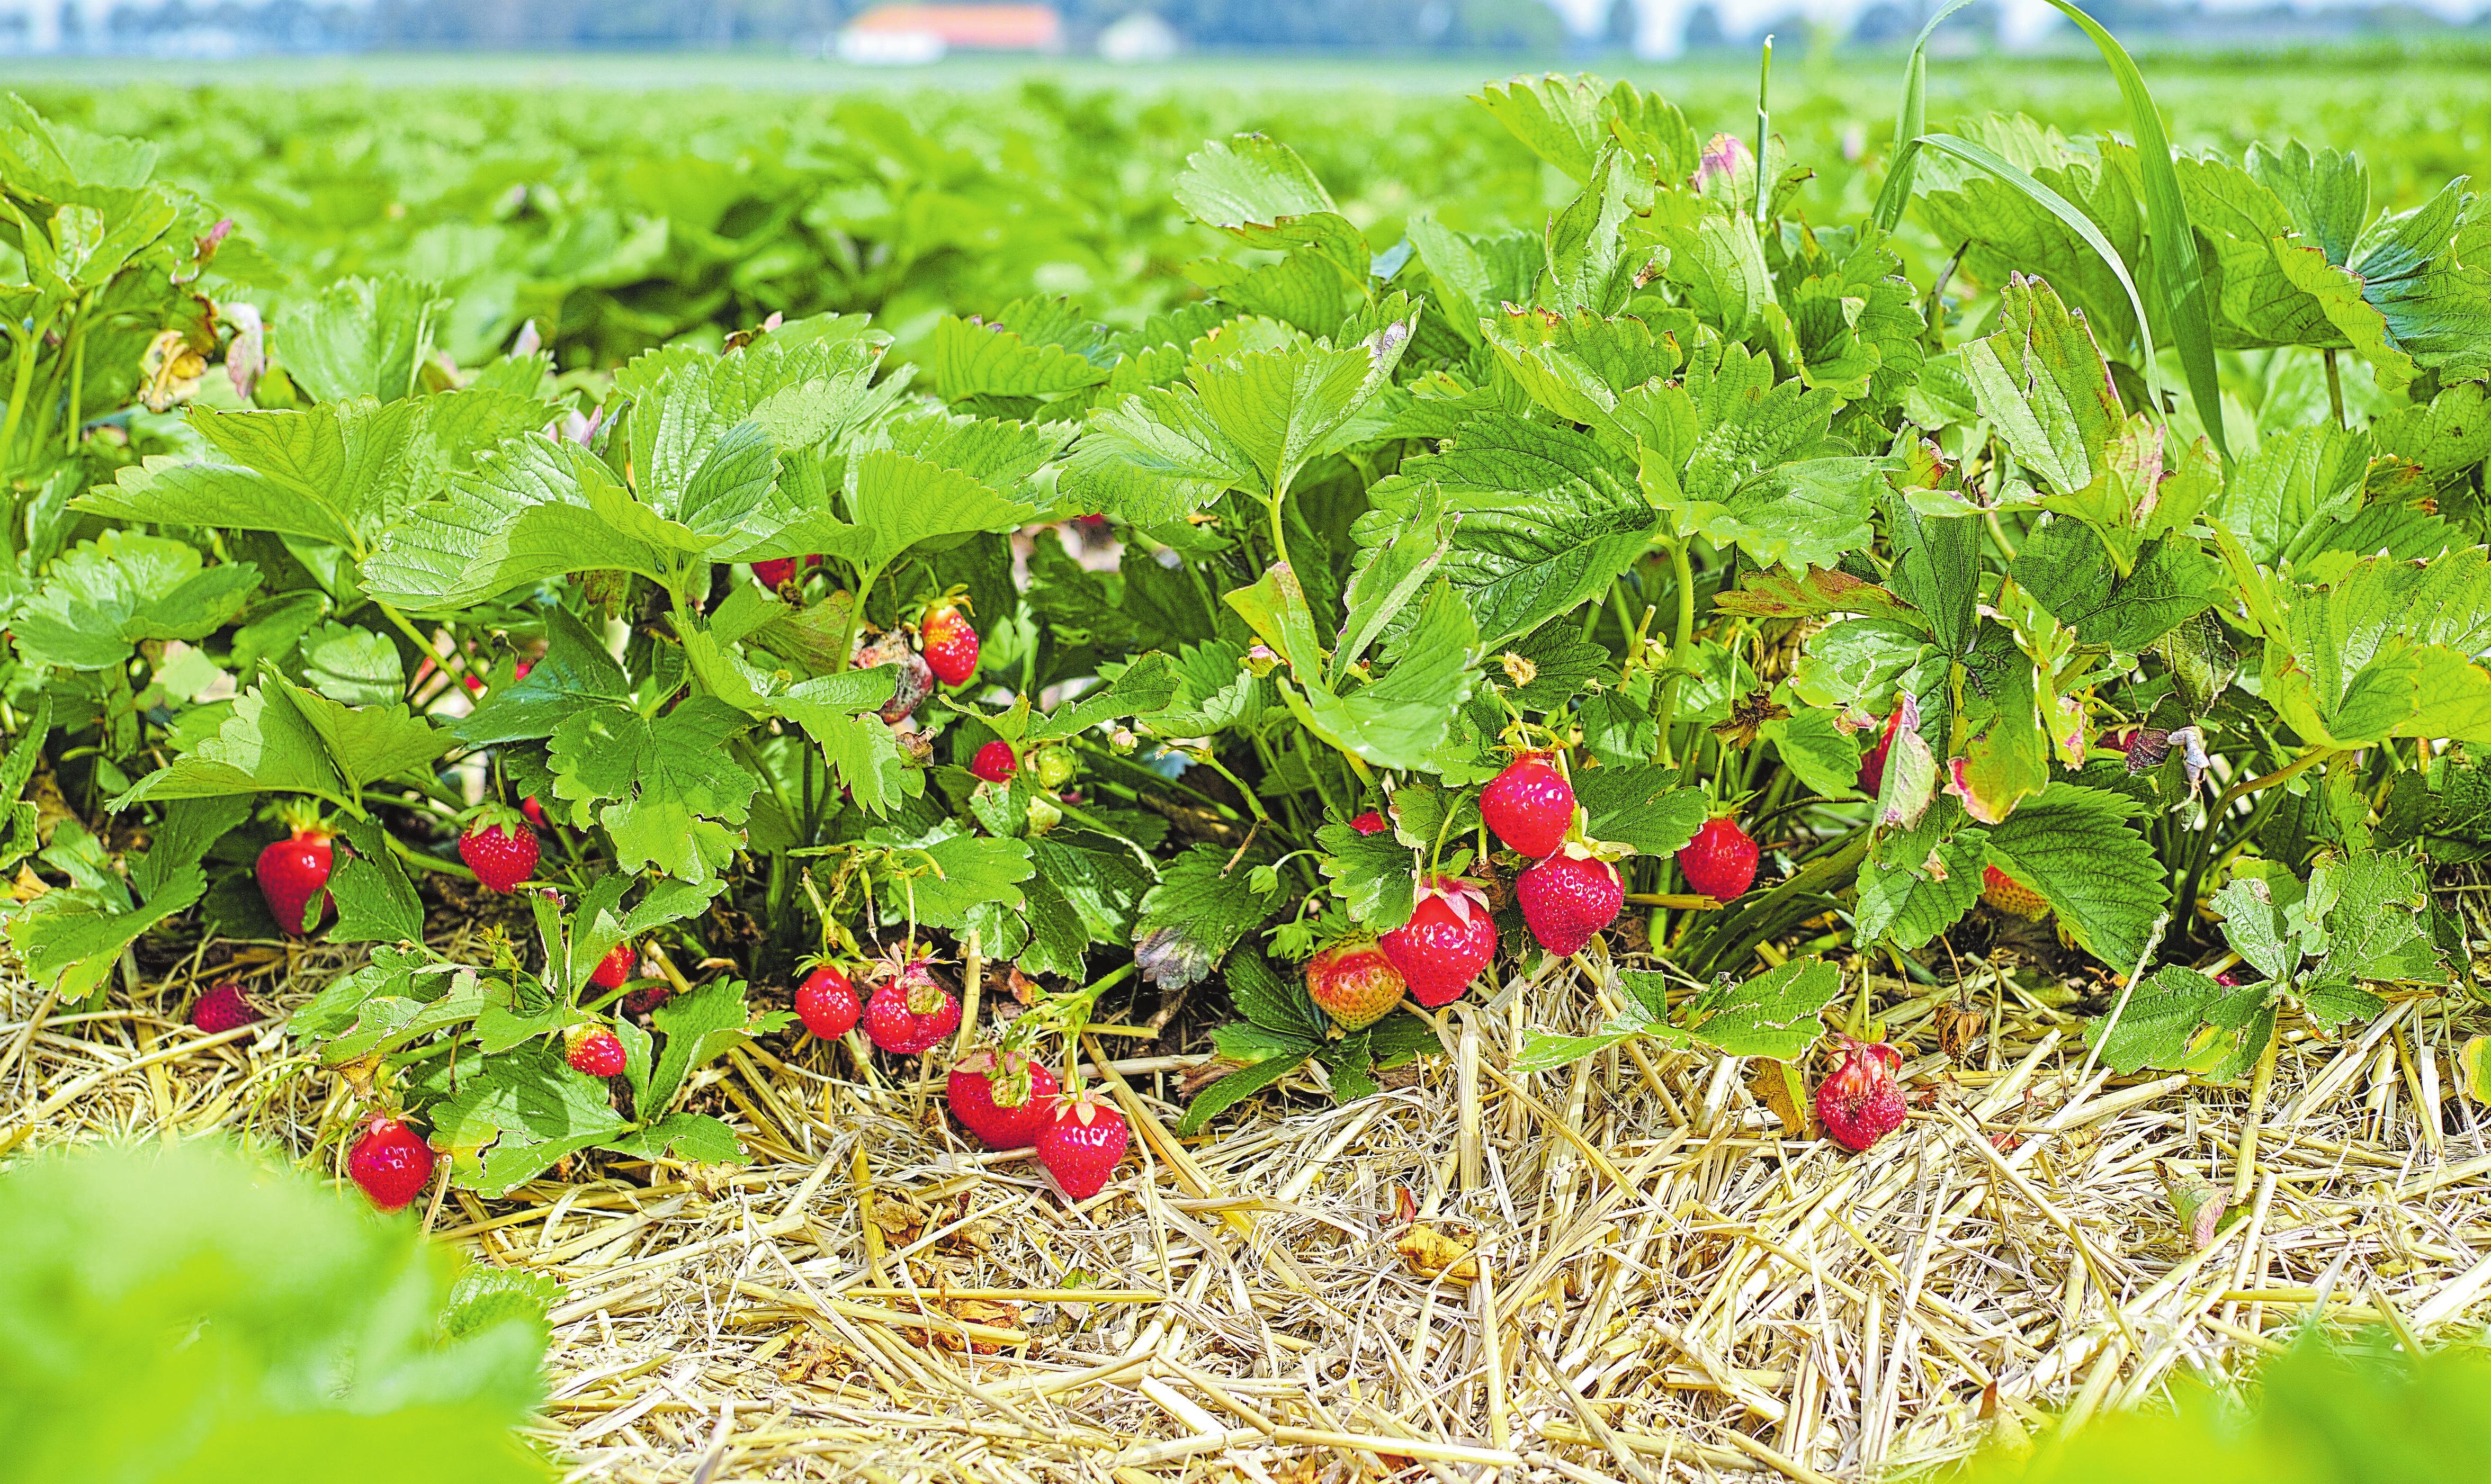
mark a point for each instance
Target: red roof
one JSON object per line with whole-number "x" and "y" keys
{"x": 991, "y": 27}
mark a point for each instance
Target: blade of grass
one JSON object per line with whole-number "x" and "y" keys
{"x": 2178, "y": 278}
{"x": 2066, "y": 211}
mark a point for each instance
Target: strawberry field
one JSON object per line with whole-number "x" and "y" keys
{"x": 1600, "y": 782}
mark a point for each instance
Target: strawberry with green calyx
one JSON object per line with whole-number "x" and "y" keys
{"x": 593, "y": 1051}
{"x": 500, "y": 848}
{"x": 293, "y": 873}
{"x": 1448, "y": 942}
{"x": 2008, "y": 895}
{"x": 390, "y": 1162}
{"x": 1859, "y": 1103}
{"x": 950, "y": 644}
{"x": 1354, "y": 982}
{"x": 1004, "y": 1096}
{"x": 614, "y": 970}
{"x": 1721, "y": 862}
{"x": 826, "y": 1002}
{"x": 994, "y": 761}
{"x": 1568, "y": 898}
{"x": 1083, "y": 1141}
{"x": 911, "y": 1012}
{"x": 776, "y": 573}
{"x": 1530, "y": 805}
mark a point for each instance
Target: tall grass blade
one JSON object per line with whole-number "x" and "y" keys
{"x": 2179, "y": 278}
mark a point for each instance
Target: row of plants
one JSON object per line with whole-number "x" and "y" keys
{"x": 1669, "y": 583}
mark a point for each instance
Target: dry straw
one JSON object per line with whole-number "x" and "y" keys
{"x": 1625, "y": 1269}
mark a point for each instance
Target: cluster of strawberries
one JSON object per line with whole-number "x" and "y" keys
{"x": 1568, "y": 895}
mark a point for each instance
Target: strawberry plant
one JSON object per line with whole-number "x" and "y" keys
{"x": 1685, "y": 586}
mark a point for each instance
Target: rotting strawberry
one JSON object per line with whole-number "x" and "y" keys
{"x": 912, "y": 682}
{"x": 1859, "y": 1103}
{"x": 1002, "y": 1097}
{"x": 640, "y": 1002}
{"x": 223, "y": 1008}
{"x": 2009, "y": 895}
{"x": 390, "y": 1162}
{"x": 1449, "y": 941}
{"x": 1530, "y": 805}
{"x": 775, "y": 573}
{"x": 912, "y": 1011}
{"x": 595, "y": 1052}
{"x": 614, "y": 970}
{"x": 1872, "y": 763}
{"x": 1369, "y": 823}
{"x": 1354, "y": 982}
{"x": 1083, "y": 1141}
{"x": 293, "y": 875}
{"x": 1568, "y": 898}
{"x": 500, "y": 849}
{"x": 1721, "y": 862}
{"x": 827, "y": 1002}
{"x": 994, "y": 761}
{"x": 951, "y": 643}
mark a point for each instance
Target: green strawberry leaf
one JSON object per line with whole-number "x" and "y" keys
{"x": 2079, "y": 849}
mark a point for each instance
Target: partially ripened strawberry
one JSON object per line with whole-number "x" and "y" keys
{"x": 223, "y": 1008}
{"x": 951, "y": 643}
{"x": 293, "y": 876}
{"x": 1567, "y": 899}
{"x": 1354, "y": 982}
{"x": 1448, "y": 940}
{"x": 1859, "y": 1103}
{"x": 994, "y": 761}
{"x": 595, "y": 1052}
{"x": 1003, "y": 1097}
{"x": 1082, "y": 1142}
{"x": 912, "y": 1012}
{"x": 1721, "y": 862}
{"x": 614, "y": 970}
{"x": 827, "y": 1002}
{"x": 1872, "y": 763}
{"x": 391, "y": 1163}
{"x": 1530, "y": 805}
{"x": 2009, "y": 895}
{"x": 501, "y": 851}
{"x": 776, "y": 573}
{"x": 1369, "y": 823}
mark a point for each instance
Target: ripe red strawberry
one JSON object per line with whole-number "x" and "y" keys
{"x": 294, "y": 879}
{"x": 502, "y": 853}
{"x": 827, "y": 1002}
{"x": 1721, "y": 862}
{"x": 614, "y": 970}
{"x": 1369, "y": 823}
{"x": 950, "y": 644}
{"x": 1082, "y": 1142}
{"x": 778, "y": 572}
{"x": 2009, "y": 895}
{"x": 391, "y": 1163}
{"x": 222, "y": 1009}
{"x": 1872, "y": 763}
{"x": 1354, "y": 982}
{"x": 912, "y": 1014}
{"x": 1003, "y": 1097}
{"x": 1446, "y": 943}
{"x": 1859, "y": 1103}
{"x": 1530, "y": 805}
{"x": 994, "y": 761}
{"x": 1567, "y": 899}
{"x": 596, "y": 1052}
{"x": 533, "y": 812}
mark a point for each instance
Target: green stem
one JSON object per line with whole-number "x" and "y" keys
{"x": 1683, "y": 571}
{"x": 855, "y": 620}
{"x": 22, "y": 383}
{"x": 1764, "y": 123}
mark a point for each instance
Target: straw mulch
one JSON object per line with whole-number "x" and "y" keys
{"x": 1628, "y": 1269}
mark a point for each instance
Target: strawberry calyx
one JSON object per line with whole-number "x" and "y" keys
{"x": 1083, "y": 1105}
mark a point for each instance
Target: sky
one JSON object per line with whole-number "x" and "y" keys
{"x": 2023, "y": 22}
